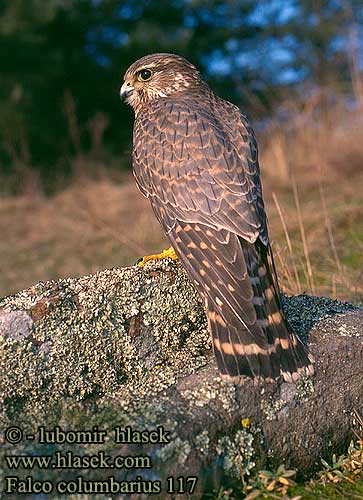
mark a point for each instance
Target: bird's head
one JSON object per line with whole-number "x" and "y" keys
{"x": 156, "y": 76}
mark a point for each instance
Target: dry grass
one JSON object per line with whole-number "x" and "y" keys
{"x": 89, "y": 227}
{"x": 314, "y": 197}
{"x": 312, "y": 170}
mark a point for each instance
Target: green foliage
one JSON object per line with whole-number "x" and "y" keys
{"x": 340, "y": 479}
{"x": 322, "y": 33}
{"x": 63, "y": 62}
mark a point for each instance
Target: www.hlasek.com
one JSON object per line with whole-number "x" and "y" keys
{"x": 69, "y": 460}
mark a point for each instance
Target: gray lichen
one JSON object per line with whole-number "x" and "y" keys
{"x": 303, "y": 311}
{"x": 202, "y": 443}
{"x": 271, "y": 409}
{"x": 128, "y": 329}
{"x": 131, "y": 347}
{"x": 237, "y": 453}
{"x": 15, "y": 325}
{"x": 177, "y": 450}
{"x": 213, "y": 390}
{"x": 81, "y": 343}
{"x": 304, "y": 389}
{"x": 289, "y": 395}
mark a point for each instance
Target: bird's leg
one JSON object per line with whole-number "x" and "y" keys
{"x": 169, "y": 253}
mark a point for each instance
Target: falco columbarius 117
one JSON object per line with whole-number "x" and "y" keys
{"x": 195, "y": 158}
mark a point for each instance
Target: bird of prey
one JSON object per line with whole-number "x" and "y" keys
{"x": 195, "y": 158}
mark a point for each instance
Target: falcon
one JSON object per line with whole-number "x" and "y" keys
{"x": 195, "y": 158}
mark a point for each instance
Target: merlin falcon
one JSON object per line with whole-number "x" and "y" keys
{"x": 195, "y": 158}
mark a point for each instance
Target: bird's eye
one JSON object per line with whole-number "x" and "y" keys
{"x": 144, "y": 75}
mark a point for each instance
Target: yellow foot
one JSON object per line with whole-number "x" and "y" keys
{"x": 165, "y": 254}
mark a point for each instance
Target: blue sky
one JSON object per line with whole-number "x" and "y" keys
{"x": 274, "y": 58}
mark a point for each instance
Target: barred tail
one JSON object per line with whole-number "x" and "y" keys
{"x": 265, "y": 348}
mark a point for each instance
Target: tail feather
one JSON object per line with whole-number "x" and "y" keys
{"x": 282, "y": 354}
{"x": 237, "y": 280}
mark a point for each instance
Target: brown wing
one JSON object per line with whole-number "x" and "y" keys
{"x": 198, "y": 165}
{"x": 201, "y": 164}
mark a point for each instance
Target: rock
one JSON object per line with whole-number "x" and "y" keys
{"x": 128, "y": 349}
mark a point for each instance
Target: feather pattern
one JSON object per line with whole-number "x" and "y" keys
{"x": 195, "y": 157}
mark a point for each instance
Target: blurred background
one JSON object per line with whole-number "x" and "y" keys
{"x": 68, "y": 204}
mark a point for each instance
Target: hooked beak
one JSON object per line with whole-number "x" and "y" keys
{"x": 126, "y": 90}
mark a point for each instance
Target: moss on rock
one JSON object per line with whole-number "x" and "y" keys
{"x": 130, "y": 347}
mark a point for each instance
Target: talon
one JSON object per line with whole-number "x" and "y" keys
{"x": 169, "y": 253}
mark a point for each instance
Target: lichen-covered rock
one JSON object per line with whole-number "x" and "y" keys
{"x": 129, "y": 348}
